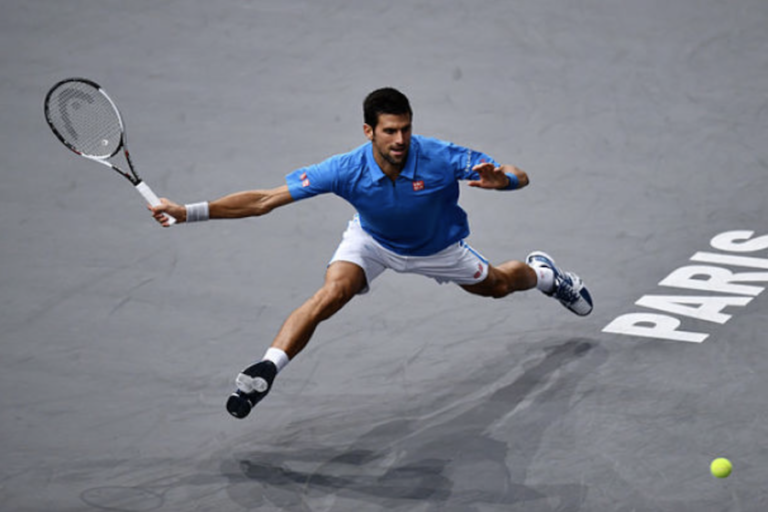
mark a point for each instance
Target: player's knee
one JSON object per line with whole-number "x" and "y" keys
{"x": 500, "y": 290}
{"x": 500, "y": 285}
{"x": 335, "y": 294}
{"x": 492, "y": 286}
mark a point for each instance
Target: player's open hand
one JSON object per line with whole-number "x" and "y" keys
{"x": 165, "y": 208}
{"x": 496, "y": 177}
{"x": 490, "y": 176}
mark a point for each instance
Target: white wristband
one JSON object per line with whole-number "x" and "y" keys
{"x": 197, "y": 212}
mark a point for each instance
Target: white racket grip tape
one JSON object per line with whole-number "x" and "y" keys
{"x": 152, "y": 199}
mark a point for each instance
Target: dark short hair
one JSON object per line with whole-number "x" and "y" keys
{"x": 384, "y": 101}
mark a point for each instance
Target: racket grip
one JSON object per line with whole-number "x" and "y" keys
{"x": 152, "y": 199}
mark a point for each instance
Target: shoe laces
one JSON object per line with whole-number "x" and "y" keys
{"x": 565, "y": 291}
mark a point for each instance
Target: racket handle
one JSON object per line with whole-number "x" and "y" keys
{"x": 152, "y": 199}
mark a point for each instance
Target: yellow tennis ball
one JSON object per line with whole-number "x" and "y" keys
{"x": 721, "y": 467}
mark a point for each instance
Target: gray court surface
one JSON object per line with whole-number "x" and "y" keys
{"x": 643, "y": 128}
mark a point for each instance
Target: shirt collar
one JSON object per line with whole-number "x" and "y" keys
{"x": 409, "y": 171}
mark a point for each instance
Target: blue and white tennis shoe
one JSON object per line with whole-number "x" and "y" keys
{"x": 569, "y": 288}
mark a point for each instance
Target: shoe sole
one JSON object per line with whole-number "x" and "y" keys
{"x": 238, "y": 406}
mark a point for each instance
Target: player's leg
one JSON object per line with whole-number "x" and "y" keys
{"x": 355, "y": 264}
{"x": 466, "y": 267}
{"x": 343, "y": 280}
{"x": 539, "y": 271}
{"x": 501, "y": 280}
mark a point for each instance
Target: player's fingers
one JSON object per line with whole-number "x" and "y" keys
{"x": 159, "y": 216}
{"x": 483, "y": 167}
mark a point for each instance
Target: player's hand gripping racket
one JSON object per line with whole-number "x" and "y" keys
{"x": 87, "y": 121}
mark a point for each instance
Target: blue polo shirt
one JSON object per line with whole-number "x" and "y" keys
{"x": 416, "y": 215}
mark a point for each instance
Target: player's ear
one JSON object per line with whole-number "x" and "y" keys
{"x": 368, "y": 131}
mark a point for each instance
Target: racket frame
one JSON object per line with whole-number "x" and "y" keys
{"x": 133, "y": 177}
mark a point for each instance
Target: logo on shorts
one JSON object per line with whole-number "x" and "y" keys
{"x": 479, "y": 271}
{"x": 305, "y": 183}
{"x": 303, "y": 176}
{"x": 418, "y": 185}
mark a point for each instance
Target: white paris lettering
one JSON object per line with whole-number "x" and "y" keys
{"x": 707, "y": 278}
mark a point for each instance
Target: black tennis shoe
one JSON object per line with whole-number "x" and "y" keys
{"x": 253, "y": 384}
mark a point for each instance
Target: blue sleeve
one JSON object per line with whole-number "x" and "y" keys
{"x": 314, "y": 179}
{"x": 464, "y": 159}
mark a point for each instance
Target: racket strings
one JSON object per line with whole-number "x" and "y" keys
{"x": 85, "y": 118}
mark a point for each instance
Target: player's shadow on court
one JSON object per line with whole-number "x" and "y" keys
{"x": 447, "y": 461}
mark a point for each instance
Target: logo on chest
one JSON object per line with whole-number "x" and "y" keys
{"x": 418, "y": 185}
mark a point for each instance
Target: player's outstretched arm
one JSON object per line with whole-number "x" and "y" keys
{"x": 497, "y": 177}
{"x": 248, "y": 203}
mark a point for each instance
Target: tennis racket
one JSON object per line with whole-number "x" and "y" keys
{"x": 86, "y": 120}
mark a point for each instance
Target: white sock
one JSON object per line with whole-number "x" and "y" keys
{"x": 545, "y": 278}
{"x": 277, "y": 356}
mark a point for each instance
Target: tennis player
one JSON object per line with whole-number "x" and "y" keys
{"x": 405, "y": 189}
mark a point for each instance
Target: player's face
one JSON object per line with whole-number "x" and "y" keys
{"x": 391, "y": 138}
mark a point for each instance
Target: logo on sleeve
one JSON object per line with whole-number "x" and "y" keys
{"x": 305, "y": 182}
{"x": 418, "y": 185}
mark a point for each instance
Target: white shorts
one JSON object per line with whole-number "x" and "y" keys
{"x": 458, "y": 263}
